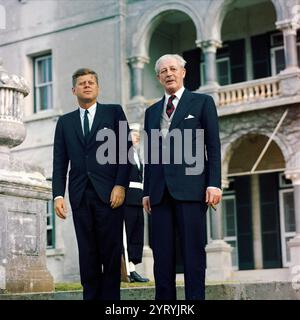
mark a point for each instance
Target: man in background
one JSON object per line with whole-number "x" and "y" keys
{"x": 134, "y": 214}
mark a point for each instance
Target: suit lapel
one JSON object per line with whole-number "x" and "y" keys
{"x": 157, "y": 114}
{"x": 182, "y": 108}
{"x": 78, "y": 126}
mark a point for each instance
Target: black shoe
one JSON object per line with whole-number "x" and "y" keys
{"x": 135, "y": 277}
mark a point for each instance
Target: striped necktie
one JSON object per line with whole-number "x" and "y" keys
{"x": 170, "y": 106}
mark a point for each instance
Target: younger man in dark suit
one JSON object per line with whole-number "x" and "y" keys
{"x": 96, "y": 191}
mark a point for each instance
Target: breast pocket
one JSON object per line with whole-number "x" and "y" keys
{"x": 191, "y": 123}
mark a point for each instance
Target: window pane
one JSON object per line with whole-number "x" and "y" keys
{"x": 228, "y": 212}
{"x": 41, "y": 72}
{"x": 223, "y": 72}
{"x": 289, "y": 214}
{"x": 43, "y": 99}
{"x": 279, "y": 60}
{"x": 49, "y": 69}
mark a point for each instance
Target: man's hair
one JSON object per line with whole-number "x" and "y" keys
{"x": 83, "y": 72}
{"x": 177, "y": 57}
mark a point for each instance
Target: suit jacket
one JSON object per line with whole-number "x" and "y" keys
{"x": 71, "y": 148}
{"x": 200, "y": 113}
{"x": 134, "y": 196}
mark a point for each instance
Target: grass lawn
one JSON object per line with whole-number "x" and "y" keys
{"x": 72, "y": 286}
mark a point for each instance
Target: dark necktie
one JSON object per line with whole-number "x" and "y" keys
{"x": 170, "y": 106}
{"x": 86, "y": 126}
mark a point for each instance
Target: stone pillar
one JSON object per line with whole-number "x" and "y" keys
{"x": 290, "y": 76}
{"x": 256, "y": 222}
{"x": 294, "y": 244}
{"x": 219, "y": 261}
{"x": 136, "y": 106}
{"x": 24, "y": 193}
{"x": 209, "y": 49}
{"x": 137, "y": 66}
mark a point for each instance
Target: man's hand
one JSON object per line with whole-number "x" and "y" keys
{"x": 146, "y": 204}
{"x": 60, "y": 208}
{"x": 117, "y": 196}
{"x": 213, "y": 196}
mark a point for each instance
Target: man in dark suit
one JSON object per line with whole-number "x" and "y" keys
{"x": 96, "y": 191}
{"x": 175, "y": 197}
{"x": 134, "y": 215}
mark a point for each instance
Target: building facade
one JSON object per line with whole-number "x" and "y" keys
{"x": 245, "y": 53}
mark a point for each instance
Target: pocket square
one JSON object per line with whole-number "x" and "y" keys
{"x": 190, "y": 116}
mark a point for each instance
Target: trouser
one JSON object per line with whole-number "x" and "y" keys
{"x": 99, "y": 231}
{"x": 190, "y": 220}
{"x": 134, "y": 223}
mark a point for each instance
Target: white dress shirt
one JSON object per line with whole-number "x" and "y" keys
{"x": 91, "y": 115}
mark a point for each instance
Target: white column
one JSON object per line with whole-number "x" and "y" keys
{"x": 137, "y": 66}
{"x": 137, "y": 104}
{"x": 209, "y": 49}
{"x": 289, "y": 30}
{"x": 290, "y": 76}
{"x": 256, "y": 222}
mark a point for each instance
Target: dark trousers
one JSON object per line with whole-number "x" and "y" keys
{"x": 190, "y": 219}
{"x": 99, "y": 236}
{"x": 134, "y": 224}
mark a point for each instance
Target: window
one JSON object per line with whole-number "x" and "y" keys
{"x": 43, "y": 83}
{"x": 223, "y": 71}
{"x": 287, "y": 217}
{"x": 277, "y": 53}
{"x": 50, "y": 225}
{"x": 230, "y": 226}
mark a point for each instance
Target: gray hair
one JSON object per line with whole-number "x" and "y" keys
{"x": 177, "y": 57}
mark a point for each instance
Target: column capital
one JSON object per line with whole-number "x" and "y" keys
{"x": 287, "y": 26}
{"x": 138, "y": 61}
{"x": 209, "y": 45}
{"x": 294, "y": 175}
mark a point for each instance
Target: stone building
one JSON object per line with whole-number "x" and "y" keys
{"x": 242, "y": 52}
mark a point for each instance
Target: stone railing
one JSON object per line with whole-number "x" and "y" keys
{"x": 250, "y": 91}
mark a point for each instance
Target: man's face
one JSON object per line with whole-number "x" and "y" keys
{"x": 171, "y": 75}
{"x": 86, "y": 88}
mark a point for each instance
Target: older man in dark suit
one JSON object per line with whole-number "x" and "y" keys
{"x": 176, "y": 196}
{"x": 96, "y": 191}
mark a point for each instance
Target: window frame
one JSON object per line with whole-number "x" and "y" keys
{"x": 47, "y": 84}
{"x": 283, "y": 234}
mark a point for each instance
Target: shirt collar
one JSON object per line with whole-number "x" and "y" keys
{"x": 92, "y": 110}
{"x": 178, "y": 94}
